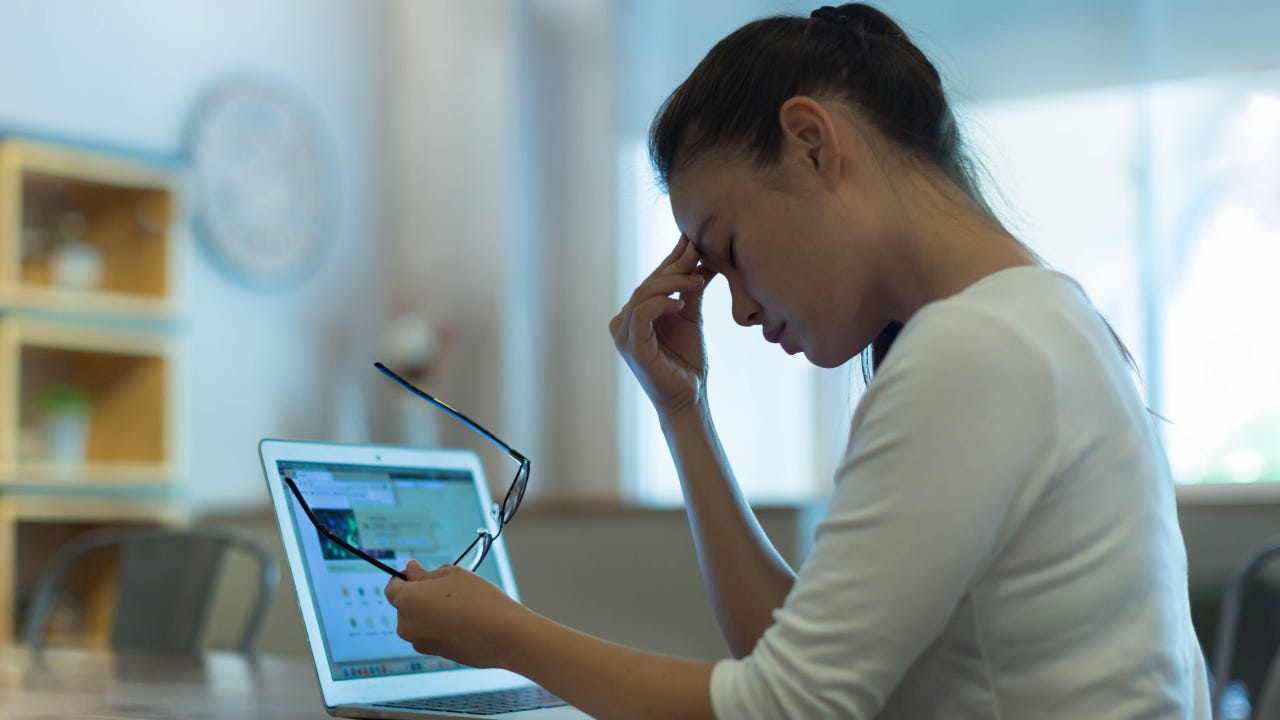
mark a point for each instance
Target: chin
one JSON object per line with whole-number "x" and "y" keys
{"x": 824, "y": 360}
{"x": 830, "y": 356}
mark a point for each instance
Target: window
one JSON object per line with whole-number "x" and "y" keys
{"x": 1216, "y": 180}
{"x": 1164, "y": 201}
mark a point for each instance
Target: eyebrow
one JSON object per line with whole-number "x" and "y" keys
{"x": 699, "y": 237}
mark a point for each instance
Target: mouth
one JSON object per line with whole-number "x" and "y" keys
{"x": 774, "y": 335}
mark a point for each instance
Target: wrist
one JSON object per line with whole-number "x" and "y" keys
{"x": 521, "y": 640}
{"x": 692, "y": 415}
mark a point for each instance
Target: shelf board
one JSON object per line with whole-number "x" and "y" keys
{"x": 36, "y": 507}
{"x": 28, "y": 332}
{"x": 77, "y": 164}
{"x": 106, "y": 304}
{"x": 59, "y": 476}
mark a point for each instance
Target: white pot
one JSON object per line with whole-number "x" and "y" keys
{"x": 66, "y": 438}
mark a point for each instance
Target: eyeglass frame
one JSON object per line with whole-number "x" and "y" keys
{"x": 496, "y": 511}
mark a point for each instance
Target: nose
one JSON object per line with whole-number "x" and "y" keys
{"x": 746, "y": 312}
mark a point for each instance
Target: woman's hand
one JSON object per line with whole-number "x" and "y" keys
{"x": 660, "y": 337}
{"x": 453, "y": 613}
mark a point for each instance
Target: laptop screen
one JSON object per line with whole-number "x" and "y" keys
{"x": 393, "y": 514}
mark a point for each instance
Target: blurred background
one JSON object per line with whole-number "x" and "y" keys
{"x": 461, "y": 190}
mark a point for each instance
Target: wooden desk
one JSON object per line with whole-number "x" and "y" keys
{"x": 97, "y": 684}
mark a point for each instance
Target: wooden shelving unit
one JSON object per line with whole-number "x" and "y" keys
{"x": 87, "y": 248}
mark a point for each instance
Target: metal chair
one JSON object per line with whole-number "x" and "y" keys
{"x": 166, "y": 586}
{"x": 1268, "y": 705}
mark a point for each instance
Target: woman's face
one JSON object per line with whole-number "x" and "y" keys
{"x": 797, "y": 260}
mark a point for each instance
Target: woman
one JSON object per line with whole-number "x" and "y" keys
{"x": 1002, "y": 539}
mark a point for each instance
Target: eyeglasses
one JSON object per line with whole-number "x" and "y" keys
{"x": 478, "y": 550}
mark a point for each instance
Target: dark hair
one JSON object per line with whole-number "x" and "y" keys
{"x": 853, "y": 53}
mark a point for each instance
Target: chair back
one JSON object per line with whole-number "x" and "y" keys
{"x": 1228, "y": 632}
{"x": 166, "y": 585}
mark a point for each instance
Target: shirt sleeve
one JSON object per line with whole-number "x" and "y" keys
{"x": 941, "y": 447}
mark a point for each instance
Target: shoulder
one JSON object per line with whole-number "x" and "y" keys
{"x": 1003, "y": 321}
{"x": 986, "y": 351}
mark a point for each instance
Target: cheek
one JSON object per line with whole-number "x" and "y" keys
{"x": 833, "y": 317}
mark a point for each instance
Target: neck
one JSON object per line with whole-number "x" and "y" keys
{"x": 943, "y": 242}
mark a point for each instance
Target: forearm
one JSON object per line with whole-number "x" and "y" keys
{"x": 605, "y": 679}
{"x": 745, "y": 576}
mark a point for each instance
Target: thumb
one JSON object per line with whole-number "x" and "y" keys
{"x": 414, "y": 570}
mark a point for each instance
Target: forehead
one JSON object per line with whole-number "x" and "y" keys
{"x": 712, "y": 185}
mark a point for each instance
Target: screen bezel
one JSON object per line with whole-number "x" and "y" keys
{"x": 363, "y": 690}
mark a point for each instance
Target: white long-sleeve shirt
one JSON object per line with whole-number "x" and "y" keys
{"x": 1002, "y": 541}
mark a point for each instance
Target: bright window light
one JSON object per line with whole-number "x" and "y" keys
{"x": 1164, "y": 202}
{"x": 1218, "y": 184}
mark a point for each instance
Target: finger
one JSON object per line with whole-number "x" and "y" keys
{"x": 621, "y": 326}
{"x": 683, "y": 245}
{"x": 414, "y": 570}
{"x": 687, "y": 261}
{"x": 693, "y": 298}
{"x": 442, "y": 571}
{"x": 647, "y": 313}
{"x": 652, "y": 289}
{"x": 626, "y": 327}
{"x": 666, "y": 285}
{"x": 393, "y": 588}
{"x": 675, "y": 253}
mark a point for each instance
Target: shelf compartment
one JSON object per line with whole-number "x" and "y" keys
{"x": 109, "y": 217}
{"x": 35, "y": 527}
{"x": 125, "y": 376}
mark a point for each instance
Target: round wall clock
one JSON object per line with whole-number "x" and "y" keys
{"x": 261, "y": 183}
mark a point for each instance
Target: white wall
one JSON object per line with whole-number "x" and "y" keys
{"x": 453, "y": 121}
{"x": 127, "y": 74}
{"x": 504, "y": 128}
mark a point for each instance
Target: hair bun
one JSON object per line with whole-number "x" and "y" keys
{"x": 829, "y": 14}
{"x": 859, "y": 17}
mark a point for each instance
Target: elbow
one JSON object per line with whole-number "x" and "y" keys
{"x": 742, "y": 641}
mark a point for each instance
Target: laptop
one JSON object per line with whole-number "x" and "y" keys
{"x": 394, "y": 503}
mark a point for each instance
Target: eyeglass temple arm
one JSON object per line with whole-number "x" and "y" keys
{"x": 445, "y": 407}
{"x": 332, "y": 536}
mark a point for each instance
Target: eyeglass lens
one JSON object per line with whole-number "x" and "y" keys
{"x": 476, "y": 551}
{"x": 515, "y": 494}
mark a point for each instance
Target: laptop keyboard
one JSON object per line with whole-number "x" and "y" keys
{"x": 494, "y": 702}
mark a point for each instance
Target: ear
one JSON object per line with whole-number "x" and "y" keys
{"x": 809, "y": 132}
